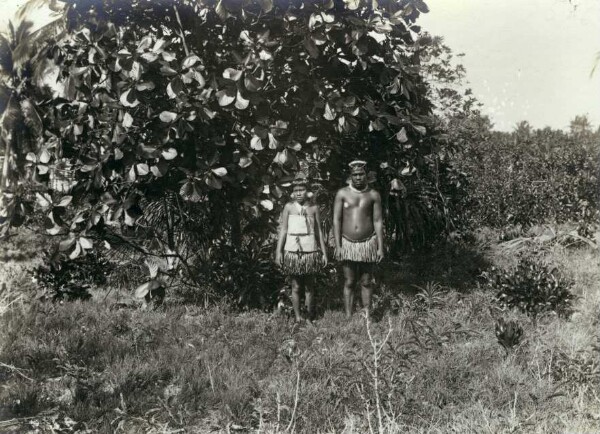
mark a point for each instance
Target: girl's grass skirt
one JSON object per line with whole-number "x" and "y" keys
{"x": 299, "y": 263}
{"x": 358, "y": 250}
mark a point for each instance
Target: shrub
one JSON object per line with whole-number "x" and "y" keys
{"x": 529, "y": 177}
{"x": 532, "y": 286}
{"x": 63, "y": 278}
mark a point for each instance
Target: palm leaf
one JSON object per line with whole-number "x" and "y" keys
{"x": 39, "y": 22}
{"x": 4, "y": 98}
{"x": 6, "y": 62}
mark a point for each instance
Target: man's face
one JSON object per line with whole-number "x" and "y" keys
{"x": 359, "y": 178}
{"x": 299, "y": 193}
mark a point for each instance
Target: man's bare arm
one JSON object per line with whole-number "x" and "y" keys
{"x": 321, "y": 235}
{"x": 378, "y": 223}
{"x": 337, "y": 219}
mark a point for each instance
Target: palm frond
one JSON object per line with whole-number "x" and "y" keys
{"x": 29, "y": 48}
{"x": 6, "y": 62}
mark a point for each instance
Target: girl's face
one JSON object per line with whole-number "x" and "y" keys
{"x": 299, "y": 193}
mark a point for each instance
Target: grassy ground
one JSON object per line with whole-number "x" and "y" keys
{"x": 93, "y": 366}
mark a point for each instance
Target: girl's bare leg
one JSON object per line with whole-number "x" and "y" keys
{"x": 296, "y": 297}
{"x": 309, "y": 299}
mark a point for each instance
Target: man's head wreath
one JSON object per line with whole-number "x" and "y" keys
{"x": 357, "y": 165}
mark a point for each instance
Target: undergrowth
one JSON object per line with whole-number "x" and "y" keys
{"x": 429, "y": 362}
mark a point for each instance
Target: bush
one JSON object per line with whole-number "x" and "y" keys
{"x": 62, "y": 278}
{"x": 530, "y": 177}
{"x": 532, "y": 287}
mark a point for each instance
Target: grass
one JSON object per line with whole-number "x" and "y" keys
{"x": 93, "y": 366}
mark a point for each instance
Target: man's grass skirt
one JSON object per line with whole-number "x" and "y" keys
{"x": 364, "y": 250}
{"x": 299, "y": 263}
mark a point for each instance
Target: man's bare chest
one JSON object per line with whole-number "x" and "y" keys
{"x": 360, "y": 202}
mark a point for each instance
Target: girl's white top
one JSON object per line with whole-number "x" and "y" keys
{"x": 301, "y": 232}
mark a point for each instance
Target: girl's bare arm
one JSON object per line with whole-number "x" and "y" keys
{"x": 283, "y": 228}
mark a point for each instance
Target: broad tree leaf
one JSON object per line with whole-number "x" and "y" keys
{"x": 421, "y": 129}
{"x": 44, "y": 156}
{"x": 199, "y": 79}
{"x": 352, "y": 4}
{"x": 266, "y": 204}
{"x": 401, "y": 135}
{"x": 214, "y": 182}
{"x": 167, "y": 71}
{"x": 142, "y": 169}
{"x": 128, "y": 99}
{"x": 169, "y": 154}
{"x": 232, "y": 74}
{"x": 85, "y": 243}
{"x": 167, "y": 116}
{"x": 240, "y": 102}
{"x": 175, "y": 87}
{"x": 65, "y": 245}
{"x": 145, "y": 85}
{"x": 245, "y": 161}
{"x": 65, "y": 201}
{"x": 220, "y": 171}
{"x": 168, "y": 56}
{"x": 252, "y": 83}
{"x": 189, "y": 61}
{"x": 44, "y": 200}
{"x": 144, "y": 44}
{"x": 329, "y": 113}
{"x": 226, "y": 97}
{"x": 149, "y": 57}
{"x": 127, "y": 120}
{"x": 76, "y": 252}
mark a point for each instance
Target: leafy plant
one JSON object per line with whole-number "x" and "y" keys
{"x": 431, "y": 295}
{"x": 62, "y": 278}
{"x": 533, "y": 287}
{"x": 508, "y": 333}
{"x": 581, "y": 368}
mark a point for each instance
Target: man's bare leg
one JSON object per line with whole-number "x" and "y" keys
{"x": 296, "y": 297}
{"x": 366, "y": 287}
{"x": 349, "y": 283}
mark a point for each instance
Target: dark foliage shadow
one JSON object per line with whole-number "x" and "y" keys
{"x": 452, "y": 264}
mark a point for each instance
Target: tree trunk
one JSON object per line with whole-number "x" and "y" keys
{"x": 5, "y": 165}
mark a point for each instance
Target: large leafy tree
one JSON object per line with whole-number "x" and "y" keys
{"x": 179, "y": 121}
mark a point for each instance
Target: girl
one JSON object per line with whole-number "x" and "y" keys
{"x": 300, "y": 239}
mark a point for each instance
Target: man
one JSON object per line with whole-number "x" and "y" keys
{"x": 358, "y": 232}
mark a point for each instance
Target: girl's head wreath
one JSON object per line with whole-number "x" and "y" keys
{"x": 300, "y": 179}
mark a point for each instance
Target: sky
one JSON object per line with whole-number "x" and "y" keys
{"x": 525, "y": 59}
